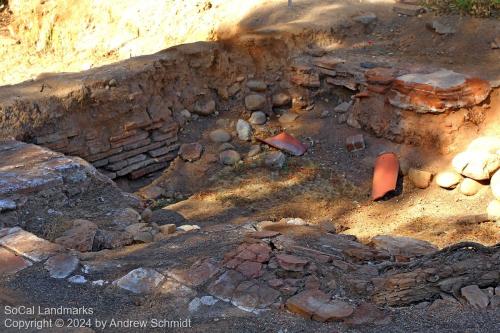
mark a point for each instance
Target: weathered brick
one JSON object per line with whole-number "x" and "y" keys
{"x": 58, "y": 145}
{"x": 117, "y": 166}
{"x": 158, "y": 136}
{"x": 111, "y": 152}
{"x": 131, "y": 125}
{"x": 137, "y": 158}
{"x": 149, "y": 169}
{"x": 134, "y": 152}
{"x": 160, "y": 151}
{"x": 96, "y": 147}
{"x": 110, "y": 175}
{"x": 134, "y": 167}
{"x": 168, "y": 128}
{"x": 50, "y": 138}
{"x": 137, "y": 144}
{"x": 100, "y": 163}
{"x": 123, "y": 136}
{"x": 155, "y": 125}
{"x": 138, "y": 137}
{"x": 166, "y": 158}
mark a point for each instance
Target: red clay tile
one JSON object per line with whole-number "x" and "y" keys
{"x": 286, "y": 142}
{"x": 385, "y": 175}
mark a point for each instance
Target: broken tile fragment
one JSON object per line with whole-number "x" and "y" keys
{"x": 286, "y": 142}
{"x": 385, "y": 175}
{"x": 140, "y": 280}
{"x": 355, "y": 142}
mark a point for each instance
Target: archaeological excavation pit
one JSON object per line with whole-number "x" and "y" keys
{"x": 231, "y": 182}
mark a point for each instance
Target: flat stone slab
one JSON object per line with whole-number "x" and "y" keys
{"x": 197, "y": 275}
{"x": 403, "y": 246}
{"x": 30, "y": 246}
{"x": 317, "y": 305}
{"x": 438, "y": 91}
{"x": 61, "y": 266}
{"x": 140, "y": 280}
{"x": 11, "y": 263}
{"x": 443, "y": 79}
{"x": 475, "y": 296}
{"x": 80, "y": 237}
{"x": 291, "y": 262}
{"x": 27, "y": 168}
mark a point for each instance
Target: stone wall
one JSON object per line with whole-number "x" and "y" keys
{"x": 119, "y": 117}
{"x": 125, "y": 118}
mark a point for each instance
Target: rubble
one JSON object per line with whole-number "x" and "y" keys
{"x": 476, "y": 164}
{"x": 79, "y": 237}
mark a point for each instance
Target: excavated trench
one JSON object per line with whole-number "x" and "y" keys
{"x": 143, "y": 116}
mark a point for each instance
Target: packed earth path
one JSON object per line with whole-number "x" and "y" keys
{"x": 226, "y": 182}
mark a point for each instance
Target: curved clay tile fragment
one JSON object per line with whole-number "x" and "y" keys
{"x": 286, "y": 142}
{"x": 385, "y": 175}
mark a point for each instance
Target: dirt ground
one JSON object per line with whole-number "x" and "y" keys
{"x": 52, "y": 38}
{"x": 327, "y": 186}
{"x": 331, "y": 184}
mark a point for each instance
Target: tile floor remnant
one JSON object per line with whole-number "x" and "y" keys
{"x": 11, "y": 263}
{"x": 29, "y": 246}
{"x": 316, "y": 305}
{"x": 385, "y": 175}
{"x": 140, "y": 280}
{"x": 286, "y": 142}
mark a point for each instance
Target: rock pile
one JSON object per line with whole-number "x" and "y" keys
{"x": 473, "y": 169}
